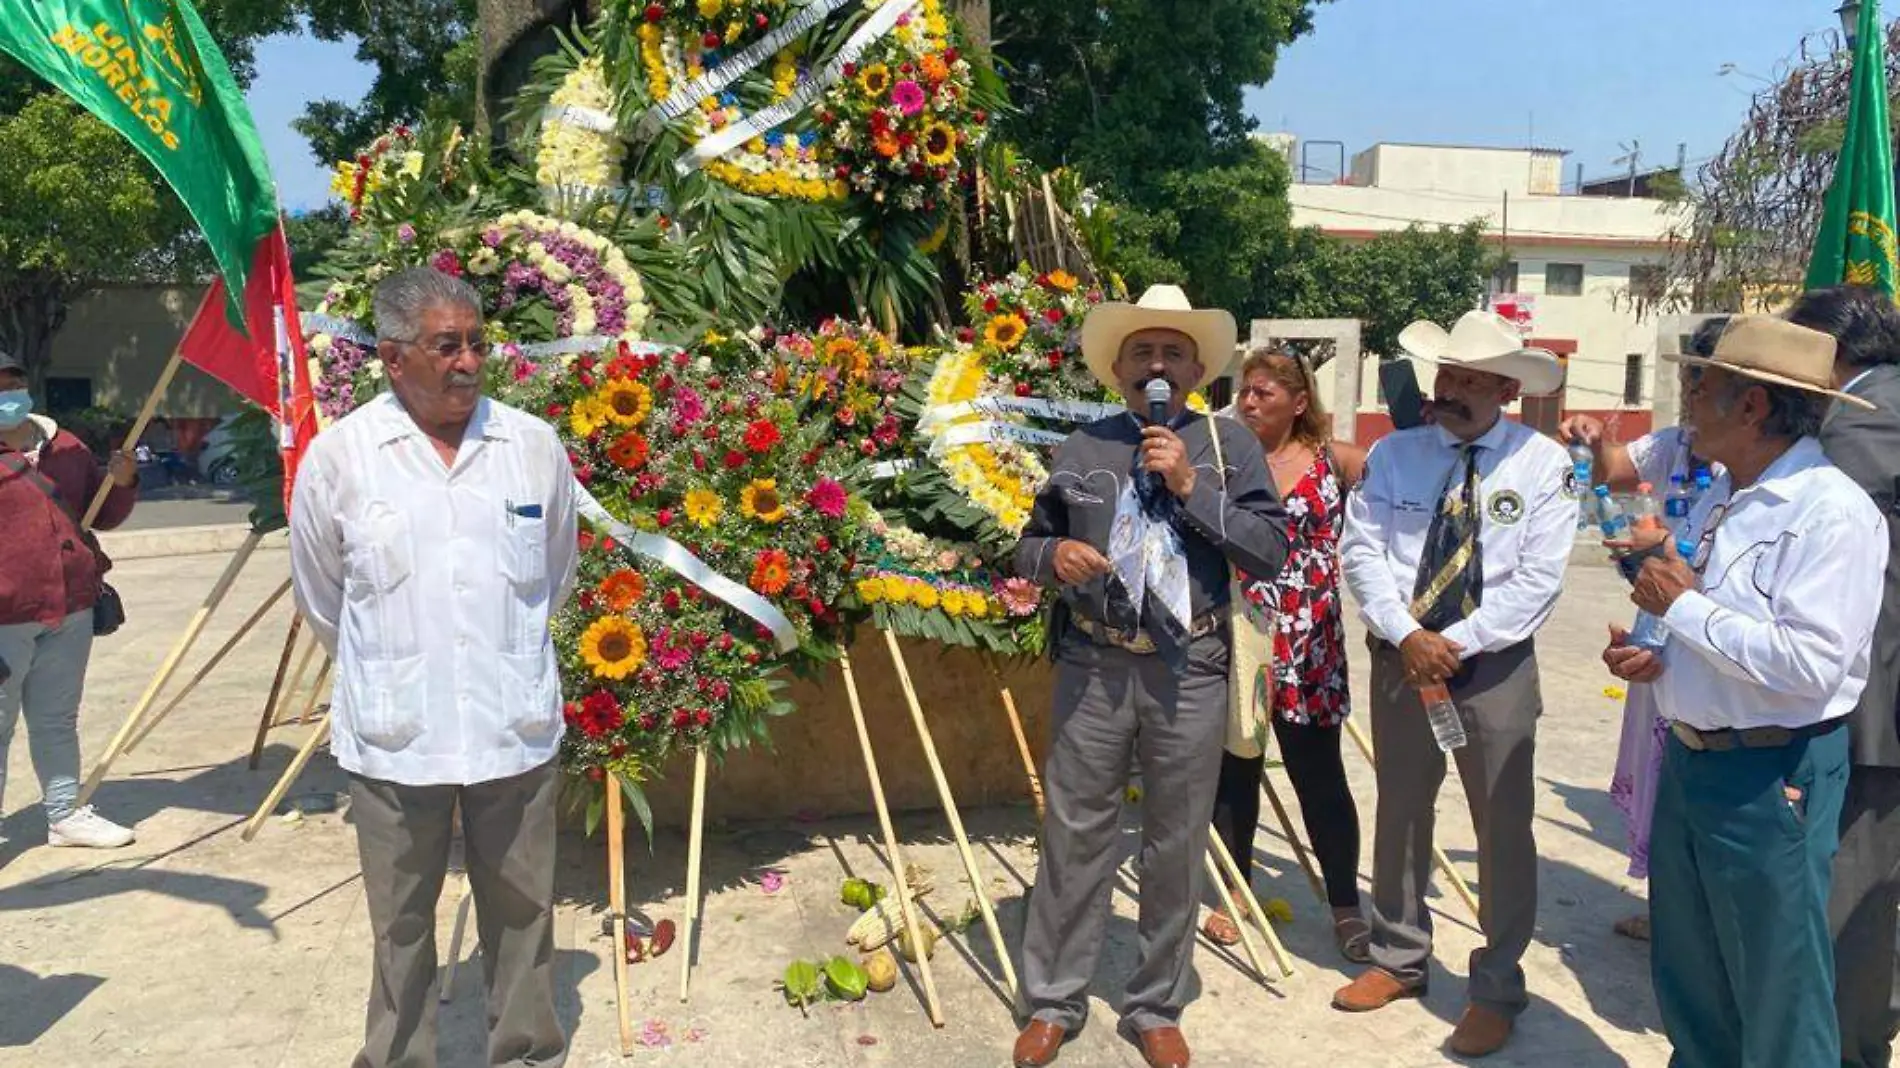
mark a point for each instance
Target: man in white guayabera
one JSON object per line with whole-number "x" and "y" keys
{"x": 432, "y": 535}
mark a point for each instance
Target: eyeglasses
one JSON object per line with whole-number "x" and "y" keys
{"x": 448, "y": 347}
{"x": 1705, "y": 542}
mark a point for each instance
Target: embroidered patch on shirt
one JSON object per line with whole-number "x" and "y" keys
{"x": 1506, "y": 507}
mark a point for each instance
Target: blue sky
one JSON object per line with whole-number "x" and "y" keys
{"x": 1585, "y": 76}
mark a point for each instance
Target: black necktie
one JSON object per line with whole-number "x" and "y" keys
{"x": 1450, "y": 582}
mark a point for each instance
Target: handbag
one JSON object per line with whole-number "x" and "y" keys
{"x": 1250, "y": 675}
{"x": 108, "y": 610}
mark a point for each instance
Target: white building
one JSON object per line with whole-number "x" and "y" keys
{"x": 1572, "y": 260}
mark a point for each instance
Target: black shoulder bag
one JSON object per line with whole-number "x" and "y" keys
{"x": 108, "y": 612}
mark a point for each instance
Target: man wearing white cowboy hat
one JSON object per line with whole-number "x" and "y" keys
{"x": 1455, "y": 548}
{"x": 1138, "y": 525}
{"x": 1770, "y": 624}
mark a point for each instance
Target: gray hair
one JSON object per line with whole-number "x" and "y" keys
{"x": 401, "y": 298}
{"x": 1793, "y": 413}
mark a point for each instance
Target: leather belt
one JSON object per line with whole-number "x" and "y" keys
{"x": 1137, "y": 641}
{"x": 1721, "y": 741}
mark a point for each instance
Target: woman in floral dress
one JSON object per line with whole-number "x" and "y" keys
{"x": 1309, "y": 690}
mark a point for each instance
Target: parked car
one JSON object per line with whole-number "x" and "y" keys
{"x": 217, "y": 459}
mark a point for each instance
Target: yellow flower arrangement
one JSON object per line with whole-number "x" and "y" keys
{"x": 626, "y": 402}
{"x": 587, "y": 416}
{"x": 1000, "y": 478}
{"x": 573, "y": 158}
{"x": 613, "y": 647}
{"x": 704, "y": 507}
{"x": 952, "y": 603}
{"x": 871, "y": 590}
{"x": 760, "y": 501}
{"x": 1005, "y": 331}
{"x": 875, "y": 80}
{"x": 923, "y": 594}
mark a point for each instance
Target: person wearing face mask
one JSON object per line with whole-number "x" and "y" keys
{"x": 1455, "y": 548}
{"x": 1139, "y": 524}
{"x": 49, "y": 581}
{"x": 432, "y": 537}
{"x": 1305, "y": 690}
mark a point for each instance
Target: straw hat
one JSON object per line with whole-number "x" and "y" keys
{"x": 1160, "y": 308}
{"x": 1774, "y": 350}
{"x": 1484, "y": 341}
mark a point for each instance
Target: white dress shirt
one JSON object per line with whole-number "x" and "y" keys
{"x": 1660, "y": 455}
{"x": 1779, "y": 634}
{"x": 1527, "y": 515}
{"x": 432, "y": 585}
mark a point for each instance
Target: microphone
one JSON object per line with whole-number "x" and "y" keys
{"x": 1159, "y": 393}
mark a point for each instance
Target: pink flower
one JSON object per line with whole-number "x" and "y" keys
{"x": 827, "y": 498}
{"x": 448, "y": 263}
{"x": 908, "y": 96}
{"x": 688, "y": 406}
{"x": 1020, "y": 596}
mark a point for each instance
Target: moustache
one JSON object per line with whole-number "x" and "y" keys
{"x": 460, "y": 380}
{"x": 1454, "y": 407}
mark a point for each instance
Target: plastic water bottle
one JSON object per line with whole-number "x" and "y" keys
{"x": 1582, "y": 461}
{"x": 1679, "y": 504}
{"x": 1644, "y": 513}
{"x": 1448, "y": 727}
{"x": 1611, "y": 518}
{"x": 1648, "y": 632}
{"x": 1704, "y": 479}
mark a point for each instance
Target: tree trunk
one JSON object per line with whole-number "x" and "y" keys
{"x": 31, "y": 311}
{"x": 975, "y": 15}
{"x": 515, "y": 33}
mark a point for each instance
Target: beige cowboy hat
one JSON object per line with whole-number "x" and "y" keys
{"x": 1774, "y": 350}
{"x": 1484, "y": 341}
{"x": 1160, "y": 308}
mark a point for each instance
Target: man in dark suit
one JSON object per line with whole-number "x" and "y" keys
{"x": 1866, "y": 896}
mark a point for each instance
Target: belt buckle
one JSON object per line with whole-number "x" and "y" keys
{"x": 1688, "y": 736}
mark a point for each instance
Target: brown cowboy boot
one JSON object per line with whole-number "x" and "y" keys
{"x": 1375, "y": 989}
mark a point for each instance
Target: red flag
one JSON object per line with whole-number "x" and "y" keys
{"x": 255, "y": 365}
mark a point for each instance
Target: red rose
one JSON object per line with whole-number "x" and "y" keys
{"x": 655, "y": 12}
{"x": 699, "y": 461}
{"x": 725, "y": 643}
{"x": 711, "y": 433}
{"x": 586, "y": 363}
{"x": 584, "y": 475}
{"x": 671, "y": 601}
{"x": 989, "y": 305}
{"x": 648, "y": 721}
{"x": 966, "y": 335}
{"x": 1053, "y": 315}
{"x": 981, "y": 117}
{"x": 1022, "y": 389}
{"x": 608, "y": 545}
{"x": 555, "y": 411}
{"x": 841, "y": 171}
{"x": 760, "y": 20}
{"x": 585, "y": 539}
{"x": 596, "y": 774}
{"x": 951, "y": 55}
{"x": 817, "y": 607}
{"x": 734, "y": 459}
{"x": 711, "y": 40}
{"x": 681, "y": 719}
{"x": 823, "y": 544}
{"x": 714, "y": 382}
{"x": 586, "y": 379}
{"x": 761, "y": 435}
{"x": 850, "y": 70}
{"x": 665, "y": 517}
{"x": 704, "y": 718}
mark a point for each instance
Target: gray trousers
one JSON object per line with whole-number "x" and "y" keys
{"x": 1111, "y": 706}
{"x": 1500, "y": 703}
{"x": 1862, "y": 913}
{"x": 49, "y": 674}
{"x": 403, "y": 835}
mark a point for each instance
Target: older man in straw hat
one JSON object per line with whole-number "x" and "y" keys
{"x": 1138, "y": 524}
{"x": 1455, "y": 548}
{"x": 1770, "y": 624}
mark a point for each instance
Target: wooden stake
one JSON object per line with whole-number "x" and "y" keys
{"x": 210, "y": 665}
{"x": 131, "y": 441}
{"x": 316, "y": 691}
{"x": 970, "y": 868}
{"x": 276, "y": 690}
{"x": 1055, "y": 228}
{"x": 696, "y": 836}
{"x": 192, "y": 629}
{"x": 1221, "y": 853}
{"x": 1233, "y": 912}
{"x": 1022, "y": 746}
{"x": 296, "y": 680}
{"x": 1299, "y": 848}
{"x": 617, "y": 905}
{"x": 1458, "y": 884}
{"x": 289, "y": 776}
{"x": 905, "y": 907}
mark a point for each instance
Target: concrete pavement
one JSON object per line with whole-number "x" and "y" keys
{"x": 193, "y": 948}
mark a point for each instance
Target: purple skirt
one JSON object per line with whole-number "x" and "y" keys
{"x": 1638, "y": 768}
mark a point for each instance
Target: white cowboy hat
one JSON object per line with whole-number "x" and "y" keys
{"x": 1774, "y": 350}
{"x": 1160, "y": 308}
{"x": 1484, "y": 341}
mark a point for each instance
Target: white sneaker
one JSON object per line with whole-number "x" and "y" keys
{"x": 86, "y": 828}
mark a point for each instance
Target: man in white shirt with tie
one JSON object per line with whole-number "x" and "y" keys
{"x": 1455, "y": 548}
{"x": 432, "y": 536}
{"x": 1770, "y": 625}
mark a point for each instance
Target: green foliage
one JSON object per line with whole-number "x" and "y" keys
{"x": 1386, "y": 282}
{"x": 427, "y": 56}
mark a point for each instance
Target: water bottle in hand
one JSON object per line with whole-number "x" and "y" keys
{"x": 1679, "y": 504}
{"x": 1611, "y": 519}
{"x": 1581, "y": 464}
{"x": 1448, "y": 727}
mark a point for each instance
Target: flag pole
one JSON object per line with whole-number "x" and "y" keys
{"x": 138, "y": 431}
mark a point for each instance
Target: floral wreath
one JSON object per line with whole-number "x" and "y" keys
{"x": 541, "y": 279}
{"x": 579, "y": 154}
{"x": 391, "y": 157}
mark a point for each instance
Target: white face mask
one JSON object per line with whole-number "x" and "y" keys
{"x": 15, "y": 406}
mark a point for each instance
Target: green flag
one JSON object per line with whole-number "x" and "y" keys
{"x": 149, "y": 69}
{"x": 1856, "y": 241}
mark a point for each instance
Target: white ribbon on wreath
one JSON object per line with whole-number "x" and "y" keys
{"x": 683, "y": 98}
{"x": 1057, "y": 411}
{"x": 707, "y": 149}
{"x": 992, "y": 433}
